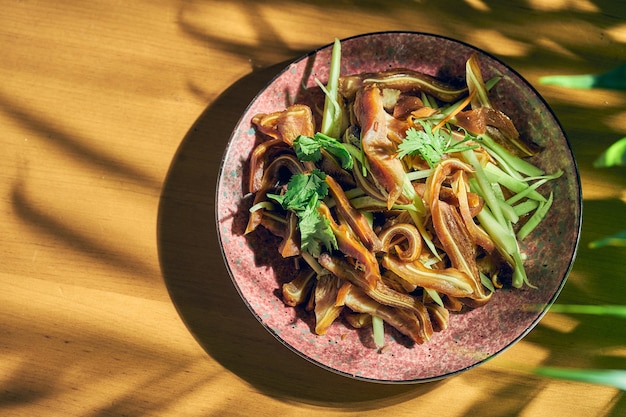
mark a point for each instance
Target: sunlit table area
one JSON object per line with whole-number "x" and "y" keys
{"x": 115, "y": 299}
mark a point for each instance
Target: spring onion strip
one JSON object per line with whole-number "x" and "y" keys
{"x": 357, "y": 154}
{"x": 486, "y": 281}
{"x": 504, "y": 238}
{"x": 435, "y": 296}
{"x": 525, "y": 207}
{"x": 475, "y": 79}
{"x": 517, "y": 197}
{"x": 519, "y": 273}
{"x": 495, "y": 174}
{"x": 515, "y": 162}
{"x": 504, "y": 166}
{"x": 484, "y": 186}
{"x": 409, "y": 192}
{"x": 490, "y": 83}
{"x": 509, "y": 212}
{"x": 429, "y": 262}
{"x": 331, "y": 119}
{"x": 355, "y": 192}
{"x": 500, "y": 235}
{"x": 548, "y": 177}
{"x": 266, "y": 205}
{"x": 309, "y": 259}
{"x": 419, "y": 175}
{"x": 350, "y": 194}
{"x": 363, "y": 201}
{"x": 378, "y": 329}
{"x": 535, "y": 219}
{"x": 427, "y": 101}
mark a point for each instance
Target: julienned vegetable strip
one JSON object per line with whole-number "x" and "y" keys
{"x": 331, "y": 120}
{"x": 378, "y": 331}
{"x": 523, "y": 194}
{"x": 515, "y": 162}
{"x": 535, "y": 219}
{"x": 495, "y": 174}
{"x": 484, "y": 185}
{"x": 525, "y": 207}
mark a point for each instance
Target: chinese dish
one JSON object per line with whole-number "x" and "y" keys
{"x": 401, "y": 198}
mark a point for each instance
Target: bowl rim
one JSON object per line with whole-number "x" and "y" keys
{"x": 545, "y": 308}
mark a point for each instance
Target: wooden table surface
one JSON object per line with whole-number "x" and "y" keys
{"x": 115, "y": 300}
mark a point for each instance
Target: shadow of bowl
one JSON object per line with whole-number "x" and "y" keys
{"x": 202, "y": 290}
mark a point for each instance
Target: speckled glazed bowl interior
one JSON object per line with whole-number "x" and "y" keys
{"x": 257, "y": 270}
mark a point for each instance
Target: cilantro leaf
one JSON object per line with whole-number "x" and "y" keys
{"x": 420, "y": 142}
{"x": 301, "y": 189}
{"x": 304, "y": 192}
{"x": 309, "y": 149}
{"x": 315, "y": 230}
{"x": 430, "y": 145}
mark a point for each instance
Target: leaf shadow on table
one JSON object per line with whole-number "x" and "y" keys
{"x": 190, "y": 256}
{"x": 202, "y": 291}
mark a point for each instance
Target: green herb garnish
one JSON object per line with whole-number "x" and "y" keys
{"x": 430, "y": 144}
{"x": 303, "y": 196}
{"x": 309, "y": 149}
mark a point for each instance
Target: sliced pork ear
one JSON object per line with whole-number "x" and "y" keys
{"x": 402, "y": 79}
{"x": 459, "y": 247}
{"x": 474, "y": 201}
{"x": 357, "y": 221}
{"x": 378, "y": 148}
{"x": 440, "y": 174}
{"x": 403, "y": 321}
{"x": 449, "y": 281}
{"x": 352, "y": 247}
{"x": 460, "y": 186}
{"x": 288, "y": 124}
{"x": 272, "y": 177}
{"x": 357, "y": 320}
{"x": 439, "y": 316}
{"x": 377, "y": 290}
{"x": 326, "y": 309}
{"x": 290, "y": 245}
{"x": 451, "y": 230}
{"x": 263, "y": 155}
{"x": 298, "y": 290}
{"x": 482, "y": 120}
{"x": 406, "y": 105}
{"x": 331, "y": 166}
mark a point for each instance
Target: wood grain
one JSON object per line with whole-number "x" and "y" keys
{"x": 115, "y": 300}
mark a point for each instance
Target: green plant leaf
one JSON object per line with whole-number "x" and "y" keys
{"x": 610, "y": 377}
{"x": 614, "y": 79}
{"x": 615, "y": 155}
{"x": 598, "y": 310}
{"x": 309, "y": 149}
{"x": 618, "y": 239}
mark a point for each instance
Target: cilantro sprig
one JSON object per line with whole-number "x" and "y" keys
{"x": 430, "y": 144}
{"x": 309, "y": 149}
{"x": 303, "y": 196}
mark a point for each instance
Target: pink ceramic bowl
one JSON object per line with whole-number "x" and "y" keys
{"x": 258, "y": 271}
